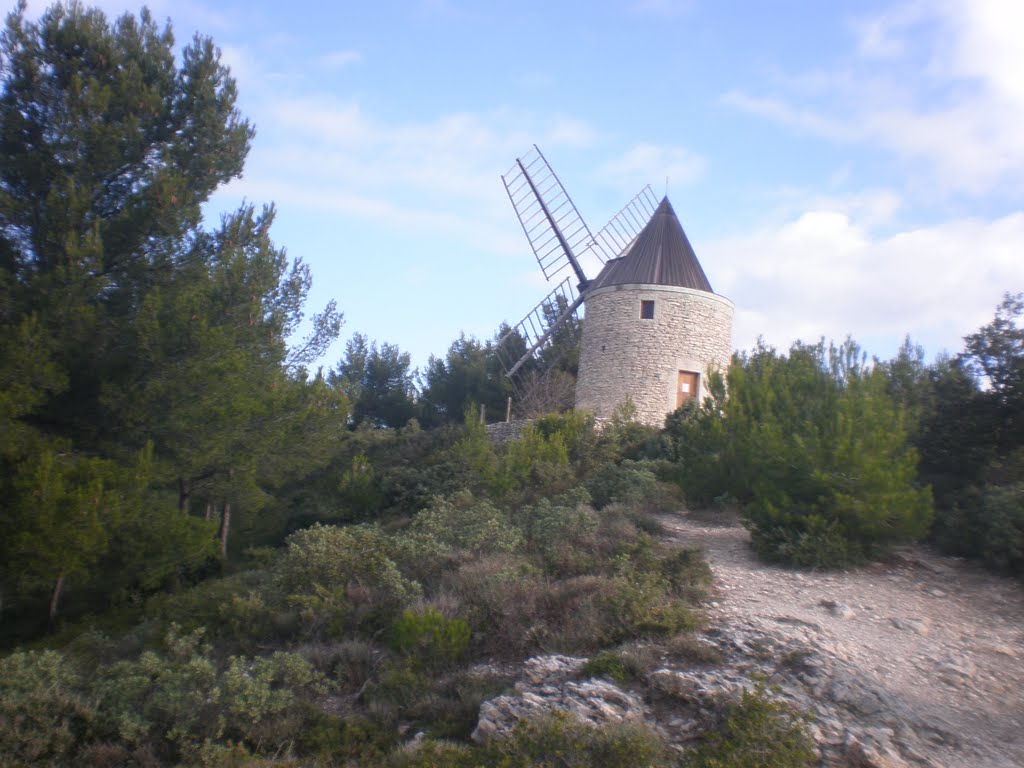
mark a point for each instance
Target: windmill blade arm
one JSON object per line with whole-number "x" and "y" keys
{"x": 532, "y": 335}
{"x": 569, "y": 311}
{"x": 549, "y": 218}
{"x": 617, "y": 234}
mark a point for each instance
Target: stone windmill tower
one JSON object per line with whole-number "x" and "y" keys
{"x": 653, "y": 326}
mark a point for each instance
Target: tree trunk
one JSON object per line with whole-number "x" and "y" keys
{"x": 54, "y": 599}
{"x": 183, "y": 494}
{"x": 208, "y": 515}
{"x": 225, "y": 526}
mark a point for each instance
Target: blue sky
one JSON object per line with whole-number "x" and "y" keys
{"x": 840, "y": 167}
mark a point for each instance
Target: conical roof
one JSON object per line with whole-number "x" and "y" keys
{"x": 660, "y": 255}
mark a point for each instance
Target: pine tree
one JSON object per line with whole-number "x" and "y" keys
{"x": 128, "y": 328}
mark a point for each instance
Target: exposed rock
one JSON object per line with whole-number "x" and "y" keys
{"x": 865, "y": 751}
{"x": 999, "y": 648}
{"x": 915, "y": 625}
{"x": 942, "y": 691}
{"x": 956, "y": 670}
{"x": 541, "y": 669}
{"x": 547, "y": 687}
{"x": 838, "y": 610}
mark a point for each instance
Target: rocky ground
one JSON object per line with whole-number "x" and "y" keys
{"x": 936, "y": 642}
{"x": 915, "y": 662}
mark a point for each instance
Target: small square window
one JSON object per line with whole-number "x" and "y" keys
{"x": 646, "y": 310}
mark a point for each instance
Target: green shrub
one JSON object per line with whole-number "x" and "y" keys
{"x": 631, "y": 483}
{"x": 453, "y": 709}
{"x": 573, "y": 429}
{"x": 685, "y": 571}
{"x": 169, "y": 699}
{"x": 561, "y": 533}
{"x": 179, "y": 699}
{"x": 755, "y": 731}
{"x": 610, "y": 665}
{"x": 692, "y": 649}
{"x": 241, "y": 611}
{"x": 641, "y": 607}
{"x": 1002, "y": 512}
{"x": 43, "y": 714}
{"x": 343, "y": 578}
{"x": 559, "y": 739}
{"x": 805, "y": 541}
{"x": 502, "y": 595}
{"x": 258, "y": 697}
{"x": 410, "y": 488}
{"x": 465, "y": 523}
{"x": 433, "y": 754}
{"x": 399, "y": 688}
{"x": 986, "y": 523}
{"x": 696, "y": 441}
{"x": 537, "y": 463}
{"x": 352, "y": 740}
{"x": 814, "y": 448}
{"x": 429, "y": 638}
{"x": 346, "y": 665}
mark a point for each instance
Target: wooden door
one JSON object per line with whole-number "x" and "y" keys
{"x": 686, "y": 387}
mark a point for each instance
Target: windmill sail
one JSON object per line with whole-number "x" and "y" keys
{"x": 540, "y": 340}
{"x": 555, "y": 229}
{"x": 618, "y": 233}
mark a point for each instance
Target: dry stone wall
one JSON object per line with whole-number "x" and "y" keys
{"x": 623, "y": 356}
{"x": 502, "y": 432}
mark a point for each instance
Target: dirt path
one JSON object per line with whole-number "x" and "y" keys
{"x": 942, "y": 636}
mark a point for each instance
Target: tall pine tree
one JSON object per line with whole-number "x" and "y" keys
{"x": 128, "y": 329}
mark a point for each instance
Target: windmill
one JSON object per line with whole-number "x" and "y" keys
{"x": 560, "y": 240}
{"x": 654, "y": 327}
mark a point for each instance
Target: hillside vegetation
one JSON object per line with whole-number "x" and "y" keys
{"x": 216, "y": 554}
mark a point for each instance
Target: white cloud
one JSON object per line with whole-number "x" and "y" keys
{"x": 450, "y": 162}
{"x": 826, "y": 272}
{"x": 340, "y": 59}
{"x": 940, "y": 85}
{"x": 884, "y": 36}
{"x": 988, "y": 45}
{"x": 649, "y": 163}
{"x": 438, "y": 176}
{"x": 806, "y": 120}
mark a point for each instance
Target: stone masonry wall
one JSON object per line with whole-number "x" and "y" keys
{"x": 502, "y": 432}
{"x": 623, "y": 356}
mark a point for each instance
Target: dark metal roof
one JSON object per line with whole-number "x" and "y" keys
{"x": 660, "y": 255}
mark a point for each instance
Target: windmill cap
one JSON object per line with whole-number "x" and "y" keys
{"x": 660, "y": 255}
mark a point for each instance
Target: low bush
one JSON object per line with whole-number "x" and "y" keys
{"x": 807, "y": 541}
{"x": 692, "y": 649}
{"x": 561, "y": 533}
{"x": 351, "y": 740}
{"x": 400, "y": 688}
{"x": 632, "y": 483}
{"x": 610, "y": 665}
{"x": 559, "y": 739}
{"x": 428, "y": 638}
{"x": 755, "y": 731}
{"x": 43, "y": 714}
{"x": 465, "y": 523}
{"x": 343, "y": 579}
{"x": 239, "y": 611}
{"x": 987, "y": 524}
{"x": 1002, "y": 509}
{"x": 433, "y": 754}
{"x": 347, "y": 665}
{"x": 180, "y": 698}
